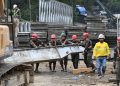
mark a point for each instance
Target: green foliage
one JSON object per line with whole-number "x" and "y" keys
{"x": 112, "y": 5}
{"x": 35, "y": 9}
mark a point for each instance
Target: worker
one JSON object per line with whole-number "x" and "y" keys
{"x": 64, "y": 61}
{"x": 35, "y": 42}
{"x": 75, "y": 56}
{"x": 16, "y": 14}
{"x": 15, "y": 11}
{"x": 88, "y": 51}
{"x": 53, "y": 43}
{"x": 101, "y": 52}
{"x": 117, "y": 60}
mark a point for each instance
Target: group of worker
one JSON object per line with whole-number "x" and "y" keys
{"x": 100, "y": 52}
{"x": 35, "y": 42}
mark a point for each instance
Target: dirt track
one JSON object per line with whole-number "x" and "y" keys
{"x": 47, "y": 78}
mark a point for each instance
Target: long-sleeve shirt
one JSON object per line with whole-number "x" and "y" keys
{"x": 116, "y": 53}
{"x": 88, "y": 45}
{"x": 101, "y": 49}
{"x": 36, "y": 43}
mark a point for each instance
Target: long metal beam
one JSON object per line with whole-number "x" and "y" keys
{"x": 37, "y": 55}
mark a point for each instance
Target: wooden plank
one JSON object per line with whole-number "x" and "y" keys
{"x": 81, "y": 70}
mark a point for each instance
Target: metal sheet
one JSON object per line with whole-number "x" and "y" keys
{"x": 64, "y": 51}
{"x": 33, "y": 56}
{"x": 5, "y": 67}
{"x": 75, "y": 49}
{"x": 45, "y": 54}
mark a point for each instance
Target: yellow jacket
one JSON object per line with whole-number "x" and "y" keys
{"x": 101, "y": 49}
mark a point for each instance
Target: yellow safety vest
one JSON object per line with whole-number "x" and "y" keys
{"x": 101, "y": 49}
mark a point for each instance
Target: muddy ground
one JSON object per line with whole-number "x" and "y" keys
{"x": 46, "y": 78}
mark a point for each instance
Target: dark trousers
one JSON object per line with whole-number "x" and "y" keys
{"x": 37, "y": 65}
{"x": 52, "y": 65}
{"x": 64, "y": 62}
{"x": 118, "y": 81}
{"x": 88, "y": 60}
{"x": 118, "y": 71}
{"x": 75, "y": 60}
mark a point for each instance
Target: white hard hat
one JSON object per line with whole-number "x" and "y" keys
{"x": 14, "y": 6}
{"x": 101, "y": 36}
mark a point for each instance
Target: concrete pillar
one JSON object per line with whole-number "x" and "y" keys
{"x": 32, "y": 75}
{"x": 26, "y": 78}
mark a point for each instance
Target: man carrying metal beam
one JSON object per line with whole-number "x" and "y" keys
{"x": 88, "y": 51}
{"x": 64, "y": 61}
{"x": 36, "y": 43}
{"x": 53, "y": 43}
{"x": 117, "y": 60}
{"x": 75, "y": 56}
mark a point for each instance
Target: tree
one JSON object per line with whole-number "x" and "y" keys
{"x": 112, "y": 5}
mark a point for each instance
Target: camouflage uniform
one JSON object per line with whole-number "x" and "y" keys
{"x": 64, "y": 61}
{"x": 35, "y": 44}
{"x": 88, "y": 53}
{"x": 75, "y": 56}
{"x": 117, "y": 61}
{"x": 52, "y": 68}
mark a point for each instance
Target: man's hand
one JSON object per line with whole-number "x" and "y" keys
{"x": 63, "y": 44}
{"x": 119, "y": 56}
{"x": 90, "y": 47}
{"x": 73, "y": 43}
{"x": 94, "y": 57}
{"x": 109, "y": 57}
{"x": 82, "y": 53}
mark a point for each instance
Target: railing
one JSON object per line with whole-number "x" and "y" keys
{"x": 24, "y": 27}
{"x": 51, "y": 11}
